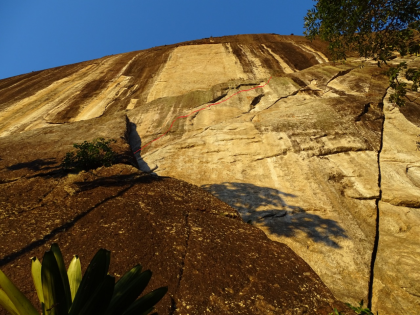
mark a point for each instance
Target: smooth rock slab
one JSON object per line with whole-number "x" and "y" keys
{"x": 301, "y": 165}
{"x": 396, "y": 287}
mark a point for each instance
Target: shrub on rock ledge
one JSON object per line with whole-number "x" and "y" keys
{"x": 89, "y": 155}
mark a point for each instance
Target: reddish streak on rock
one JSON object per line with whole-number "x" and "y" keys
{"x": 260, "y": 86}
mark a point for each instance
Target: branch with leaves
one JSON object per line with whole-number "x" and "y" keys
{"x": 377, "y": 29}
{"x": 400, "y": 88}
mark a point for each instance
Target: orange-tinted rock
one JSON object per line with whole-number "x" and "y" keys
{"x": 197, "y": 245}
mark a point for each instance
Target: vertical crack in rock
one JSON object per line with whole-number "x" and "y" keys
{"x": 364, "y": 111}
{"x": 181, "y": 270}
{"x": 376, "y": 242}
{"x": 173, "y": 306}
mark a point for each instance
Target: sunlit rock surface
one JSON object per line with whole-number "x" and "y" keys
{"x": 396, "y": 287}
{"x": 306, "y": 157}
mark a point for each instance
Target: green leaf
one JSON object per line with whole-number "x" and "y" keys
{"x": 36, "y": 277}
{"x": 63, "y": 273}
{"x": 7, "y": 303}
{"x": 52, "y": 286}
{"x": 127, "y": 290}
{"x": 20, "y": 301}
{"x": 146, "y": 303}
{"x": 148, "y": 311}
{"x": 93, "y": 277}
{"x": 74, "y": 274}
{"x": 100, "y": 299}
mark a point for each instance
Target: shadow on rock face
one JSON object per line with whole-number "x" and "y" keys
{"x": 135, "y": 144}
{"x": 36, "y": 165}
{"x": 282, "y": 219}
{"x": 39, "y": 168}
{"x": 116, "y": 181}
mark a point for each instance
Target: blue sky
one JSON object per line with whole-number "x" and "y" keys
{"x": 41, "y": 34}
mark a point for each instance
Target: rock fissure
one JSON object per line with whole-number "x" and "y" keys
{"x": 376, "y": 242}
{"x": 271, "y": 156}
{"x": 42, "y": 198}
{"x": 340, "y": 74}
{"x": 246, "y": 84}
{"x": 218, "y": 98}
{"x": 7, "y": 181}
{"x": 256, "y": 100}
{"x": 342, "y": 151}
{"x": 364, "y": 112}
{"x": 206, "y": 128}
{"x": 181, "y": 270}
{"x": 55, "y": 124}
{"x": 107, "y": 106}
{"x": 283, "y": 97}
{"x": 57, "y": 230}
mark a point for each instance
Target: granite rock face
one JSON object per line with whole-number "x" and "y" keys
{"x": 197, "y": 245}
{"x": 315, "y": 156}
{"x": 396, "y": 283}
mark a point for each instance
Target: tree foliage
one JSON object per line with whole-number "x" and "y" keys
{"x": 373, "y": 28}
{"x": 400, "y": 88}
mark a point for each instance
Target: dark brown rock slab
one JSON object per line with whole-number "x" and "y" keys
{"x": 194, "y": 243}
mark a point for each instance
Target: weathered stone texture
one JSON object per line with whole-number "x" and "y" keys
{"x": 301, "y": 164}
{"x": 197, "y": 245}
{"x": 306, "y": 158}
{"x": 396, "y": 287}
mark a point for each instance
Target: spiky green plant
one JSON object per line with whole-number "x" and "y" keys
{"x": 68, "y": 293}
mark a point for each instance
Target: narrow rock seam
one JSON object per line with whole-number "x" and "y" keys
{"x": 340, "y": 74}
{"x": 376, "y": 242}
{"x": 181, "y": 271}
{"x": 283, "y": 97}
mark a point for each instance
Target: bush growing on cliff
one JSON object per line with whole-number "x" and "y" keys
{"x": 67, "y": 293}
{"x": 90, "y": 155}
